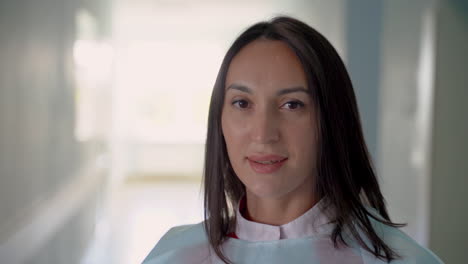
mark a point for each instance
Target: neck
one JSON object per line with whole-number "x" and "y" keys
{"x": 279, "y": 210}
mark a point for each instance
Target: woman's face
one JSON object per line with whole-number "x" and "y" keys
{"x": 269, "y": 122}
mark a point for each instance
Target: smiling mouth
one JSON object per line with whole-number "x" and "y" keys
{"x": 267, "y": 166}
{"x": 268, "y": 162}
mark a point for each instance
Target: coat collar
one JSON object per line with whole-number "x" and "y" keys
{"x": 312, "y": 223}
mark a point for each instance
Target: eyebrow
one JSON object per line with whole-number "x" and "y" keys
{"x": 246, "y": 89}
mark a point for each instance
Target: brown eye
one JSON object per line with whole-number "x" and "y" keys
{"x": 294, "y": 105}
{"x": 243, "y": 104}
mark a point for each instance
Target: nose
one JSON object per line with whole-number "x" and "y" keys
{"x": 264, "y": 128}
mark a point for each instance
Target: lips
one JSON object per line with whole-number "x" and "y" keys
{"x": 266, "y": 163}
{"x": 266, "y": 158}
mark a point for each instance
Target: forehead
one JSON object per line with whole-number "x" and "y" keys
{"x": 266, "y": 63}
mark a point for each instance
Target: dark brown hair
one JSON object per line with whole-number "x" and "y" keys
{"x": 345, "y": 178}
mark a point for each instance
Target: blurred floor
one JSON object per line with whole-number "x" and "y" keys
{"x": 141, "y": 212}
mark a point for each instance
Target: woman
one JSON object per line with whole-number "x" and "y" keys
{"x": 288, "y": 178}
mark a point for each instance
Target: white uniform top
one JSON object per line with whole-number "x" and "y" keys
{"x": 303, "y": 240}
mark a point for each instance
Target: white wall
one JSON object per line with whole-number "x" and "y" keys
{"x": 403, "y": 97}
{"x": 422, "y": 146}
{"x": 49, "y": 183}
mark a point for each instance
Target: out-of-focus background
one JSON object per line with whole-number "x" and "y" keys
{"x": 104, "y": 103}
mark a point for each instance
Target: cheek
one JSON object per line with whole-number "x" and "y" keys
{"x": 303, "y": 143}
{"x": 234, "y": 135}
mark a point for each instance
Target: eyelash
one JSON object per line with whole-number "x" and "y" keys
{"x": 299, "y": 104}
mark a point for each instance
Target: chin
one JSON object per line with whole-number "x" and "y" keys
{"x": 266, "y": 192}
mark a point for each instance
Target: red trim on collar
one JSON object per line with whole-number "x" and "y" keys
{"x": 233, "y": 235}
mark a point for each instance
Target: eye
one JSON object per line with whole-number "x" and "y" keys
{"x": 293, "y": 105}
{"x": 243, "y": 104}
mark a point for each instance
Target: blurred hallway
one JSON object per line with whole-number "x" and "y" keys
{"x": 104, "y": 103}
{"x": 141, "y": 213}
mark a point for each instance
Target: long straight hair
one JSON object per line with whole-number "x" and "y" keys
{"x": 346, "y": 176}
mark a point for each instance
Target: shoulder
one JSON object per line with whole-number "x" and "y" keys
{"x": 178, "y": 242}
{"x": 411, "y": 252}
